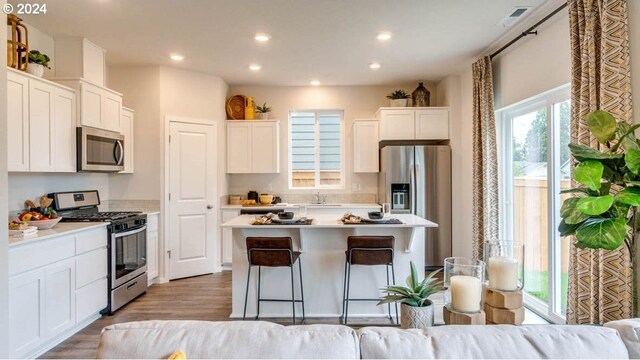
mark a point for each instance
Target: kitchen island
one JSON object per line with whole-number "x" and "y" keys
{"x": 323, "y": 245}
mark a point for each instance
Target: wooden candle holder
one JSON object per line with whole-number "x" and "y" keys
{"x": 503, "y": 299}
{"x": 503, "y": 307}
{"x": 452, "y": 317}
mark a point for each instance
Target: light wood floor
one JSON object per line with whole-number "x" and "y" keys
{"x": 206, "y": 297}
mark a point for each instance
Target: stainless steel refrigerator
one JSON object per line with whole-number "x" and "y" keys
{"x": 416, "y": 179}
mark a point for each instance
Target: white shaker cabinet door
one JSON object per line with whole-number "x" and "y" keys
{"x": 91, "y": 105}
{"x": 264, "y": 148}
{"x": 42, "y": 150}
{"x": 111, "y": 107}
{"x": 26, "y": 312}
{"x": 238, "y": 148}
{"x": 227, "y": 236}
{"x": 365, "y": 146}
{"x": 17, "y": 122}
{"x": 397, "y": 124}
{"x": 126, "y": 124}
{"x": 60, "y": 307}
{"x": 432, "y": 124}
{"x": 65, "y": 130}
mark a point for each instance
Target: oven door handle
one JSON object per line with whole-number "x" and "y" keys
{"x": 138, "y": 230}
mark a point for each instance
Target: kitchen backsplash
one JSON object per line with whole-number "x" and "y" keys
{"x": 130, "y": 205}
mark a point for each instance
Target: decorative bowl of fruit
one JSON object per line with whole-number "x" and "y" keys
{"x": 42, "y": 221}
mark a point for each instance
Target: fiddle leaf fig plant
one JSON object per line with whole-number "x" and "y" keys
{"x": 609, "y": 186}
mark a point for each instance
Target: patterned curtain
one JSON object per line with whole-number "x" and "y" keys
{"x": 600, "y": 285}
{"x": 485, "y": 160}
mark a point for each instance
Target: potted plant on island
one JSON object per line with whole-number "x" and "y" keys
{"x": 264, "y": 111}
{"x": 399, "y": 98}
{"x": 416, "y": 310}
{"x": 37, "y": 63}
{"x": 604, "y": 211}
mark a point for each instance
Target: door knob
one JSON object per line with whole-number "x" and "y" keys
{"x": 209, "y": 207}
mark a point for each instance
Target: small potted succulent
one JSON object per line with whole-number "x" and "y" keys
{"x": 416, "y": 310}
{"x": 264, "y": 111}
{"x": 37, "y": 63}
{"x": 399, "y": 98}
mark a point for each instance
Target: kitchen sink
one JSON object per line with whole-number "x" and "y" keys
{"x": 324, "y": 205}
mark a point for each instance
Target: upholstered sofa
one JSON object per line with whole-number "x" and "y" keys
{"x": 258, "y": 339}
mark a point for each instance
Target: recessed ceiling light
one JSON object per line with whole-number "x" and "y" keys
{"x": 384, "y": 36}
{"x": 262, "y": 37}
{"x": 255, "y": 67}
{"x": 176, "y": 57}
{"x": 374, "y": 65}
{"x": 315, "y": 82}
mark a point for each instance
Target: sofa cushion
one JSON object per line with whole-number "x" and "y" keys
{"x": 629, "y": 329}
{"x": 492, "y": 341}
{"x": 231, "y": 339}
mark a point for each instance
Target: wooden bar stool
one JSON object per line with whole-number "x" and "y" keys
{"x": 367, "y": 251}
{"x": 273, "y": 252}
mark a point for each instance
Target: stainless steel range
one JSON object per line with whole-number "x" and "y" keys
{"x": 127, "y": 245}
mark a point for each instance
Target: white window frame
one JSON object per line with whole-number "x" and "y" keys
{"x": 317, "y": 186}
{"x": 551, "y": 309}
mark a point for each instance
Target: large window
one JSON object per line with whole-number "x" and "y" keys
{"x": 316, "y": 159}
{"x": 533, "y": 146}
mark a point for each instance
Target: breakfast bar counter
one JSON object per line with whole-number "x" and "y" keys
{"x": 323, "y": 244}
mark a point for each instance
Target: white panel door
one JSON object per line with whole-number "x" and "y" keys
{"x": 111, "y": 107}
{"x": 397, "y": 124}
{"x": 60, "y": 306}
{"x": 365, "y": 146}
{"x": 65, "y": 139}
{"x": 17, "y": 122}
{"x": 238, "y": 148}
{"x": 91, "y": 105}
{"x": 192, "y": 187}
{"x": 41, "y": 127}
{"x": 264, "y": 148}
{"x": 26, "y": 312}
{"x": 432, "y": 124}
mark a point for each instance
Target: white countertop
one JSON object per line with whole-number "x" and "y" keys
{"x": 309, "y": 206}
{"x": 62, "y": 228}
{"x": 330, "y": 221}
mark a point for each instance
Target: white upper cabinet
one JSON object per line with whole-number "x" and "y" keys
{"x": 365, "y": 146}
{"x": 126, "y": 129}
{"x": 425, "y": 123}
{"x": 253, "y": 147}
{"x": 18, "y": 122}
{"x": 65, "y": 129}
{"x": 80, "y": 58}
{"x": 41, "y": 125}
{"x": 98, "y": 106}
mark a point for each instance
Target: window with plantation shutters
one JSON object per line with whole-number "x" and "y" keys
{"x": 316, "y": 149}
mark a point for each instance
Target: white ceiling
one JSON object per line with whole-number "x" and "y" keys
{"x": 329, "y": 40}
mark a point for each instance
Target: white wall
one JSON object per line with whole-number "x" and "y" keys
{"x": 535, "y": 64}
{"x": 140, "y": 86}
{"x": 357, "y": 102}
{"x": 4, "y": 245}
{"x": 450, "y": 93}
{"x": 31, "y": 186}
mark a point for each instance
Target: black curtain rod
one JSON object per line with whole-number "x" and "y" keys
{"x": 529, "y": 31}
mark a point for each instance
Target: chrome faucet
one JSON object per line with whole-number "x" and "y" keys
{"x": 320, "y": 199}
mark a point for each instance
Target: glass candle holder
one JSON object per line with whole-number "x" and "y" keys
{"x": 505, "y": 265}
{"x": 463, "y": 279}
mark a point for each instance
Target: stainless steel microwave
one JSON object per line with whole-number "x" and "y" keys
{"x": 99, "y": 150}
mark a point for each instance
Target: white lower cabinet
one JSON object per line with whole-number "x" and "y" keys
{"x": 48, "y": 300}
{"x": 227, "y": 238}
{"x": 152, "y": 246}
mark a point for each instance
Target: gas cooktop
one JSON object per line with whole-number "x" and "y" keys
{"x": 99, "y": 216}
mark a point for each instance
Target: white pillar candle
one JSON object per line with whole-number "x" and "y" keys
{"x": 503, "y": 273}
{"x": 466, "y": 293}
